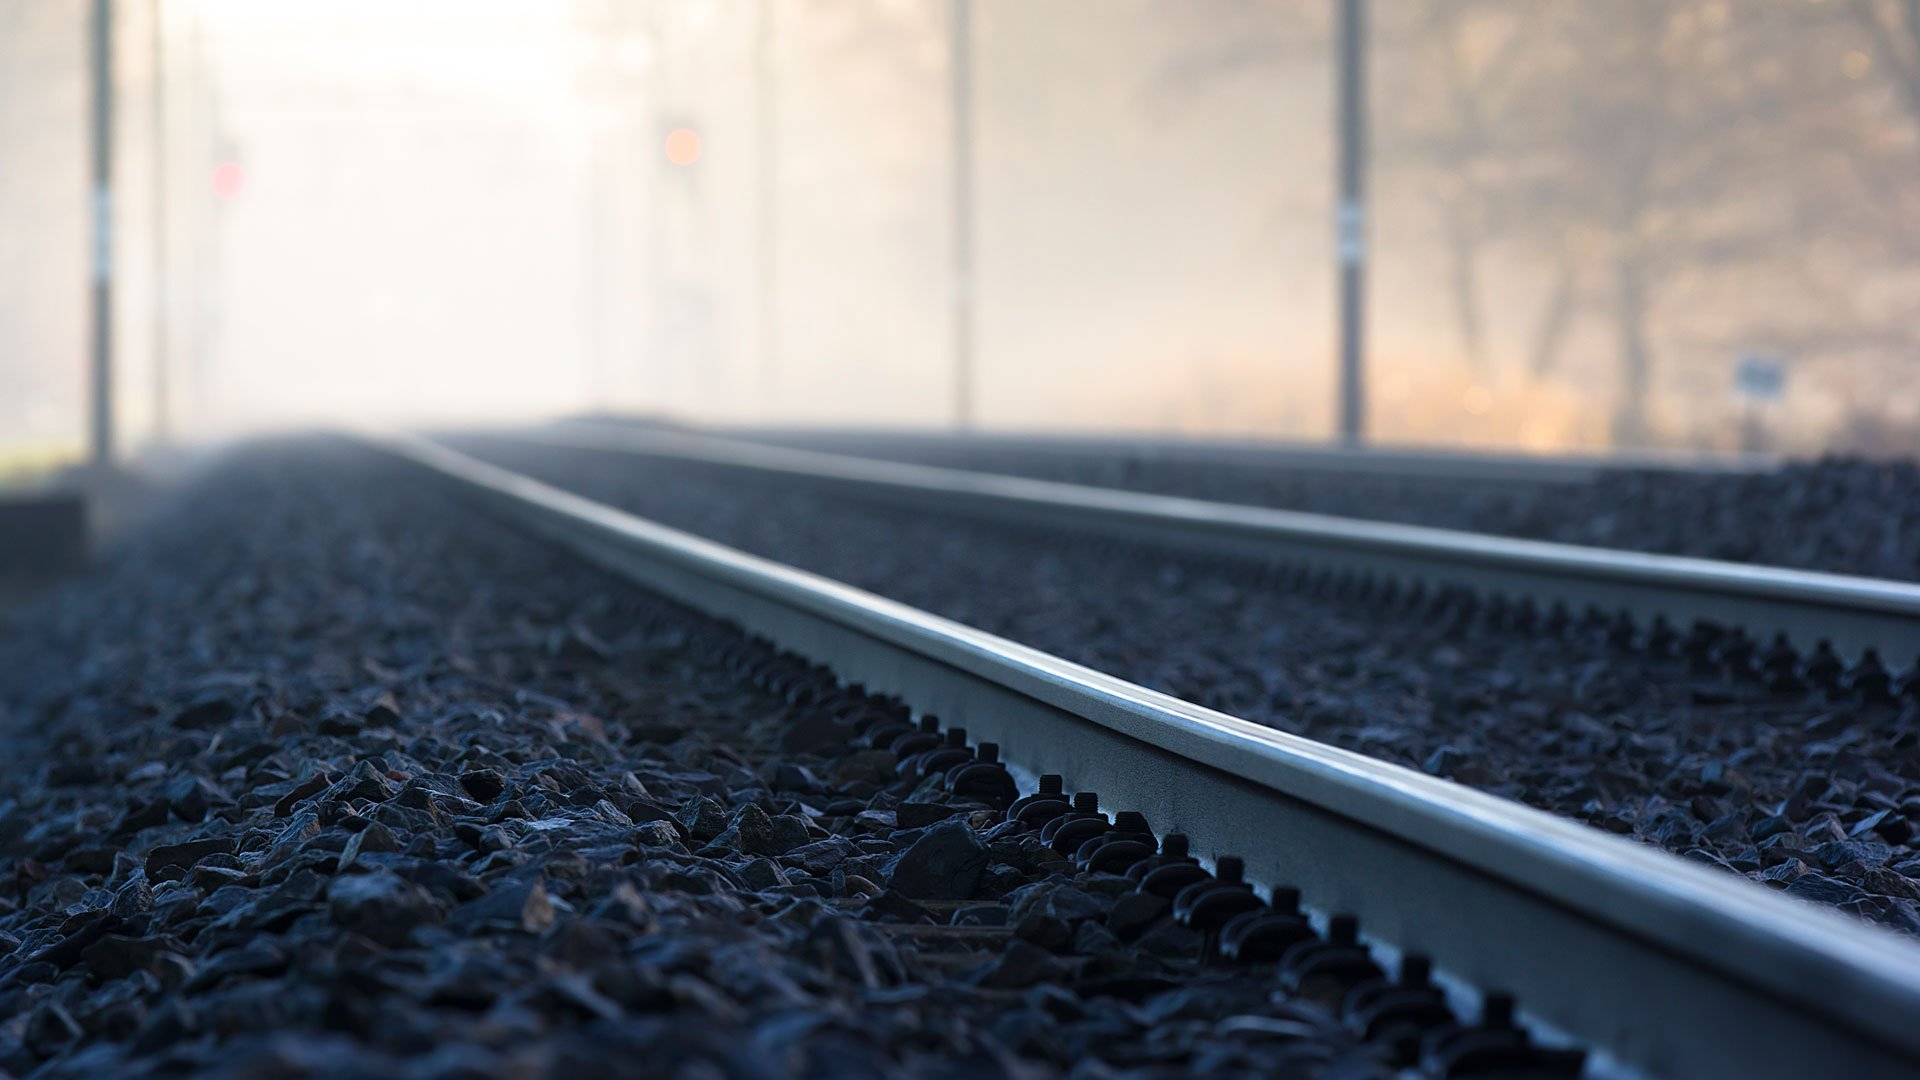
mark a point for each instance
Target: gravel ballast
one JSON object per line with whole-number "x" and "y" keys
{"x": 1812, "y": 791}
{"x": 320, "y": 774}
{"x": 1843, "y": 516}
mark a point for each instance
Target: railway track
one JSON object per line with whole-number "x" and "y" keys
{"x": 1845, "y": 631}
{"x": 1655, "y": 966}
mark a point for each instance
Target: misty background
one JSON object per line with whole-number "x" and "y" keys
{"x": 1586, "y": 218}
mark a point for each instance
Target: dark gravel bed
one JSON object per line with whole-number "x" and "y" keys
{"x": 1813, "y": 793}
{"x": 322, "y": 775}
{"x": 1838, "y": 515}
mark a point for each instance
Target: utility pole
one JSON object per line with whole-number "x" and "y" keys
{"x": 767, "y": 204}
{"x": 102, "y": 330}
{"x": 661, "y": 329}
{"x": 1351, "y": 216}
{"x": 162, "y": 403}
{"x": 598, "y": 242}
{"x": 197, "y": 233}
{"x": 961, "y": 64}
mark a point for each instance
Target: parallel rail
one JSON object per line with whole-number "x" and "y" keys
{"x": 1851, "y": 614}
{"x": 1665, "y": 968}
{"x": 1399, "y": 462}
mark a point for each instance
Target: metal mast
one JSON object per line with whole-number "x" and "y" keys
{"x": 1351, "y": 216}
{"x": 767, "y": 205}
{"x": 961, "y": 64}
{"x": 162, "y": 395}
{"x": 101, "y": 58}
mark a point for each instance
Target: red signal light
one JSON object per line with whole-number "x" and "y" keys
{"x": 229, "y": 179}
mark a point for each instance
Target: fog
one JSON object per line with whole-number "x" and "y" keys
{"x": 1584, "y": 216}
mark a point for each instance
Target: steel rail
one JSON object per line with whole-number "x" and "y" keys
{"x": 1486, "y": 468}
{"x": 1852, "y": 614}
{"x": 1664, "y": 967}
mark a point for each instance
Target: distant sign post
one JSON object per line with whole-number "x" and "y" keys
{"x": 1759, "y": 379}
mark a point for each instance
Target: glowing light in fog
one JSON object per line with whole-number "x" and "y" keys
{"x": 683, "y": 146}
{"x": 228, "y": 180}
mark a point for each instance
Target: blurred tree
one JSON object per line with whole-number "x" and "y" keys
{"x": 1633, "y": 150}
{"x": 1476, "y": 50}
{"x": 1690, "y": 176}
{"x": 1892, "y": 30}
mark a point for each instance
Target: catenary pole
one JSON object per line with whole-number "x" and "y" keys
{"x": 766, "y": 207}
{"x": 162, "y": 392}
{"x": 961, "y": 65}
{"x": 101, "y": 63}
{"x": 1351, "y": 216}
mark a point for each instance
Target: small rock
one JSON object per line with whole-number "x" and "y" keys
{"x": 855, "y": 885}
{"x": 190, "y": 797}
{"x": 209, "y": 878}
{"x": 577, "y": 644}
{"x": 1059, "y": 900}
{"x": 49, "y": 1029}
{"x": 897, "y": 908}
{"x": 1819, "y": 887}
{"x": 762, "y": 874}
{"x": 485, "y": 785}
{"x": 366, "y": 783}
{"x": 656, "y": 834}
{"x": 384, "y": 713}
{"x": 750, "y": 833}
{"x": 519, "y": 905}
{"x": 383, "y": 906}
{"x": 821, "y": 856}
{"x": 1888, "y": 883}
{"x": 206, "y": 713}
{"x": 945, "y": 863}
{"x": 789, "y": 832}
{"x": 115, "y": 956}
{"x": 79, "y": 932}
{"x": 918, "y": 815}
{"x": 373, "y": 839}
{"x": 1135, "y": 911}
{"x": 1022, "y": 965}
{"x": 1840, "y": 852}
{"x": 1092, "y": 939}
{"x": 1444, "y": 761}
{"x": 186, "y": 853}
{"x": 1720, "y": 778}
{"x": 257, "y": 959}
{"x": 874, "y": 821}
{"x": 304, "y": 790}
{"x": 704, "y": 819}
{"x": 1045, "y": 931}
{"x": 133, "y": 898}
{"x": 839, "y": 944}
{"x": 339, "y": 722}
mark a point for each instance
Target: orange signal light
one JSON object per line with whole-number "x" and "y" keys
{"x": 683, "y": 146}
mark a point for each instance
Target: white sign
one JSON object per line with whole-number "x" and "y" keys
{"x": 1760, "y": 377}
{"x": 1350, "y": 232}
